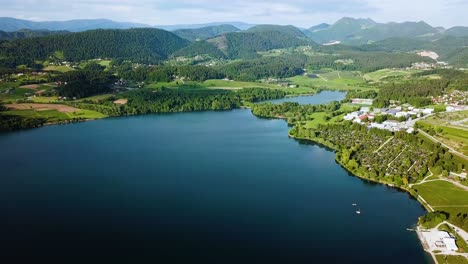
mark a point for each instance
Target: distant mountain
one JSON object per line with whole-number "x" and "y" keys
{"x": 27, "y": 33}
{"x": 239, "y": 25}
{"x": 449, "y": 48}
{"x": 12, "y": 24}
{"x": 318, "y": 27}
{"x": 289, "y": 30}
{"x": 457, "y": 31}
{"x": 205, "y": 32}
{"x": 147, "y": 45}
{"x": 363, "y": 31}
{"x": 340, "y": 30}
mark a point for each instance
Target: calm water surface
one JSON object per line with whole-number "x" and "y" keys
{"x": 210, "y": 187}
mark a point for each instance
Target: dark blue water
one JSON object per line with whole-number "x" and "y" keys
{"x": 212, "y": 187}
{"x": 320, "y": 98}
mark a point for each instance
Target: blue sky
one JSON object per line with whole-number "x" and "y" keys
{"x": 304, "y": 13}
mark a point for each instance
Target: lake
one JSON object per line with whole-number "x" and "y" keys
{"x": 206, "y": 187}
{"x": 320, "y": 98}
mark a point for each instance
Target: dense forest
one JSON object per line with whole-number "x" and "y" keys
{"x": 87, "y": 82}
{"x": 195, "y": 34}
{"x": 144, "y": 45}
{"x": 200, "y": 48}
{"x": 251, "y": 70}
{"x": 183, "y": 99}
{"x": 245, "y": 45}
{"x": 26, "y": 33}
{"x": 294, "y": 112}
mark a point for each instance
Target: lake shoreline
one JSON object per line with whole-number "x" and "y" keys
{"x": 355, "y": 174}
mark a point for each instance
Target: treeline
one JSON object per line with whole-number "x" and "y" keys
{"x": 184, "y": 99}
{"x": 249, "y": 70}
{"x": 143, "y": 45}
{"x": 260, "y": 94}
{"x": 294, "y": 112}
{"x": 87, "y": 82}
{"x": 279, "y": 67}
{"x": 14, "y": 122}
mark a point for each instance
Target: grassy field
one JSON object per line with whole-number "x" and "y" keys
{"x": 335, "y": 80}
{"x": 50, "y": 115}
{"x": 54, "y": 116}
{"x": 381, "y": 74}
{"x": 445, "y": 196}
{"x": 236, "y": 84}
{"x": 95, "y": 98}
{"x": 442, "y": 259}
{"x": 448, "y": 131}
{"x": 61, "y": 68}
{"x": 87, "y": 114}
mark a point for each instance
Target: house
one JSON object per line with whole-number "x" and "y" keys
{"x": 392, "y": 112}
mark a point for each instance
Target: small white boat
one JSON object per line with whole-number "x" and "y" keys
{"x": 354, "y": 204}
{"x": 358, "y": 211}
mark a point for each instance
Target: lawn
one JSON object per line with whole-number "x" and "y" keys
{"x": 336, "y": 80}
{"x": 236, "y": 84}
{"x": 381, "y": 74}
{"x": 445, "y": 196}
{"x": 450, "y": 259}
{"x": 87, "y": 114}
{"x": 96, "y": 98}
{"x": 61, "y": 68}
{"x": 54, "y": 116}
{"x": 50, "y": 115}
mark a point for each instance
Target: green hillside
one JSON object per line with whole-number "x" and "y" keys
{"x": 139, "y": 45}
{"x": 205, "y": 32}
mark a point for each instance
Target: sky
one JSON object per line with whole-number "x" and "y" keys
{"x": 302, "y": 13}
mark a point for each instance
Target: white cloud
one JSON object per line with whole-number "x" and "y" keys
{"x": 303, "y": 13}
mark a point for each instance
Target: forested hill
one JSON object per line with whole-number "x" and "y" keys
{"x": 27, "y": 33}
{"x": 139, "y": 45}
{"x": 202, "y": 48}
{"x": 451, "y": 49}
{"x": 13, "y": 24}
{"x": 205, "y": 32}
{"x": 288, "y": 30}
{"x": 246, "y": 44}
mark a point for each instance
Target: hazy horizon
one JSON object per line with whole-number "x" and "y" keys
{"x": 300, "y": 13}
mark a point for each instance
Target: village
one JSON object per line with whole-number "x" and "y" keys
{"x": 402, "y": 117}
